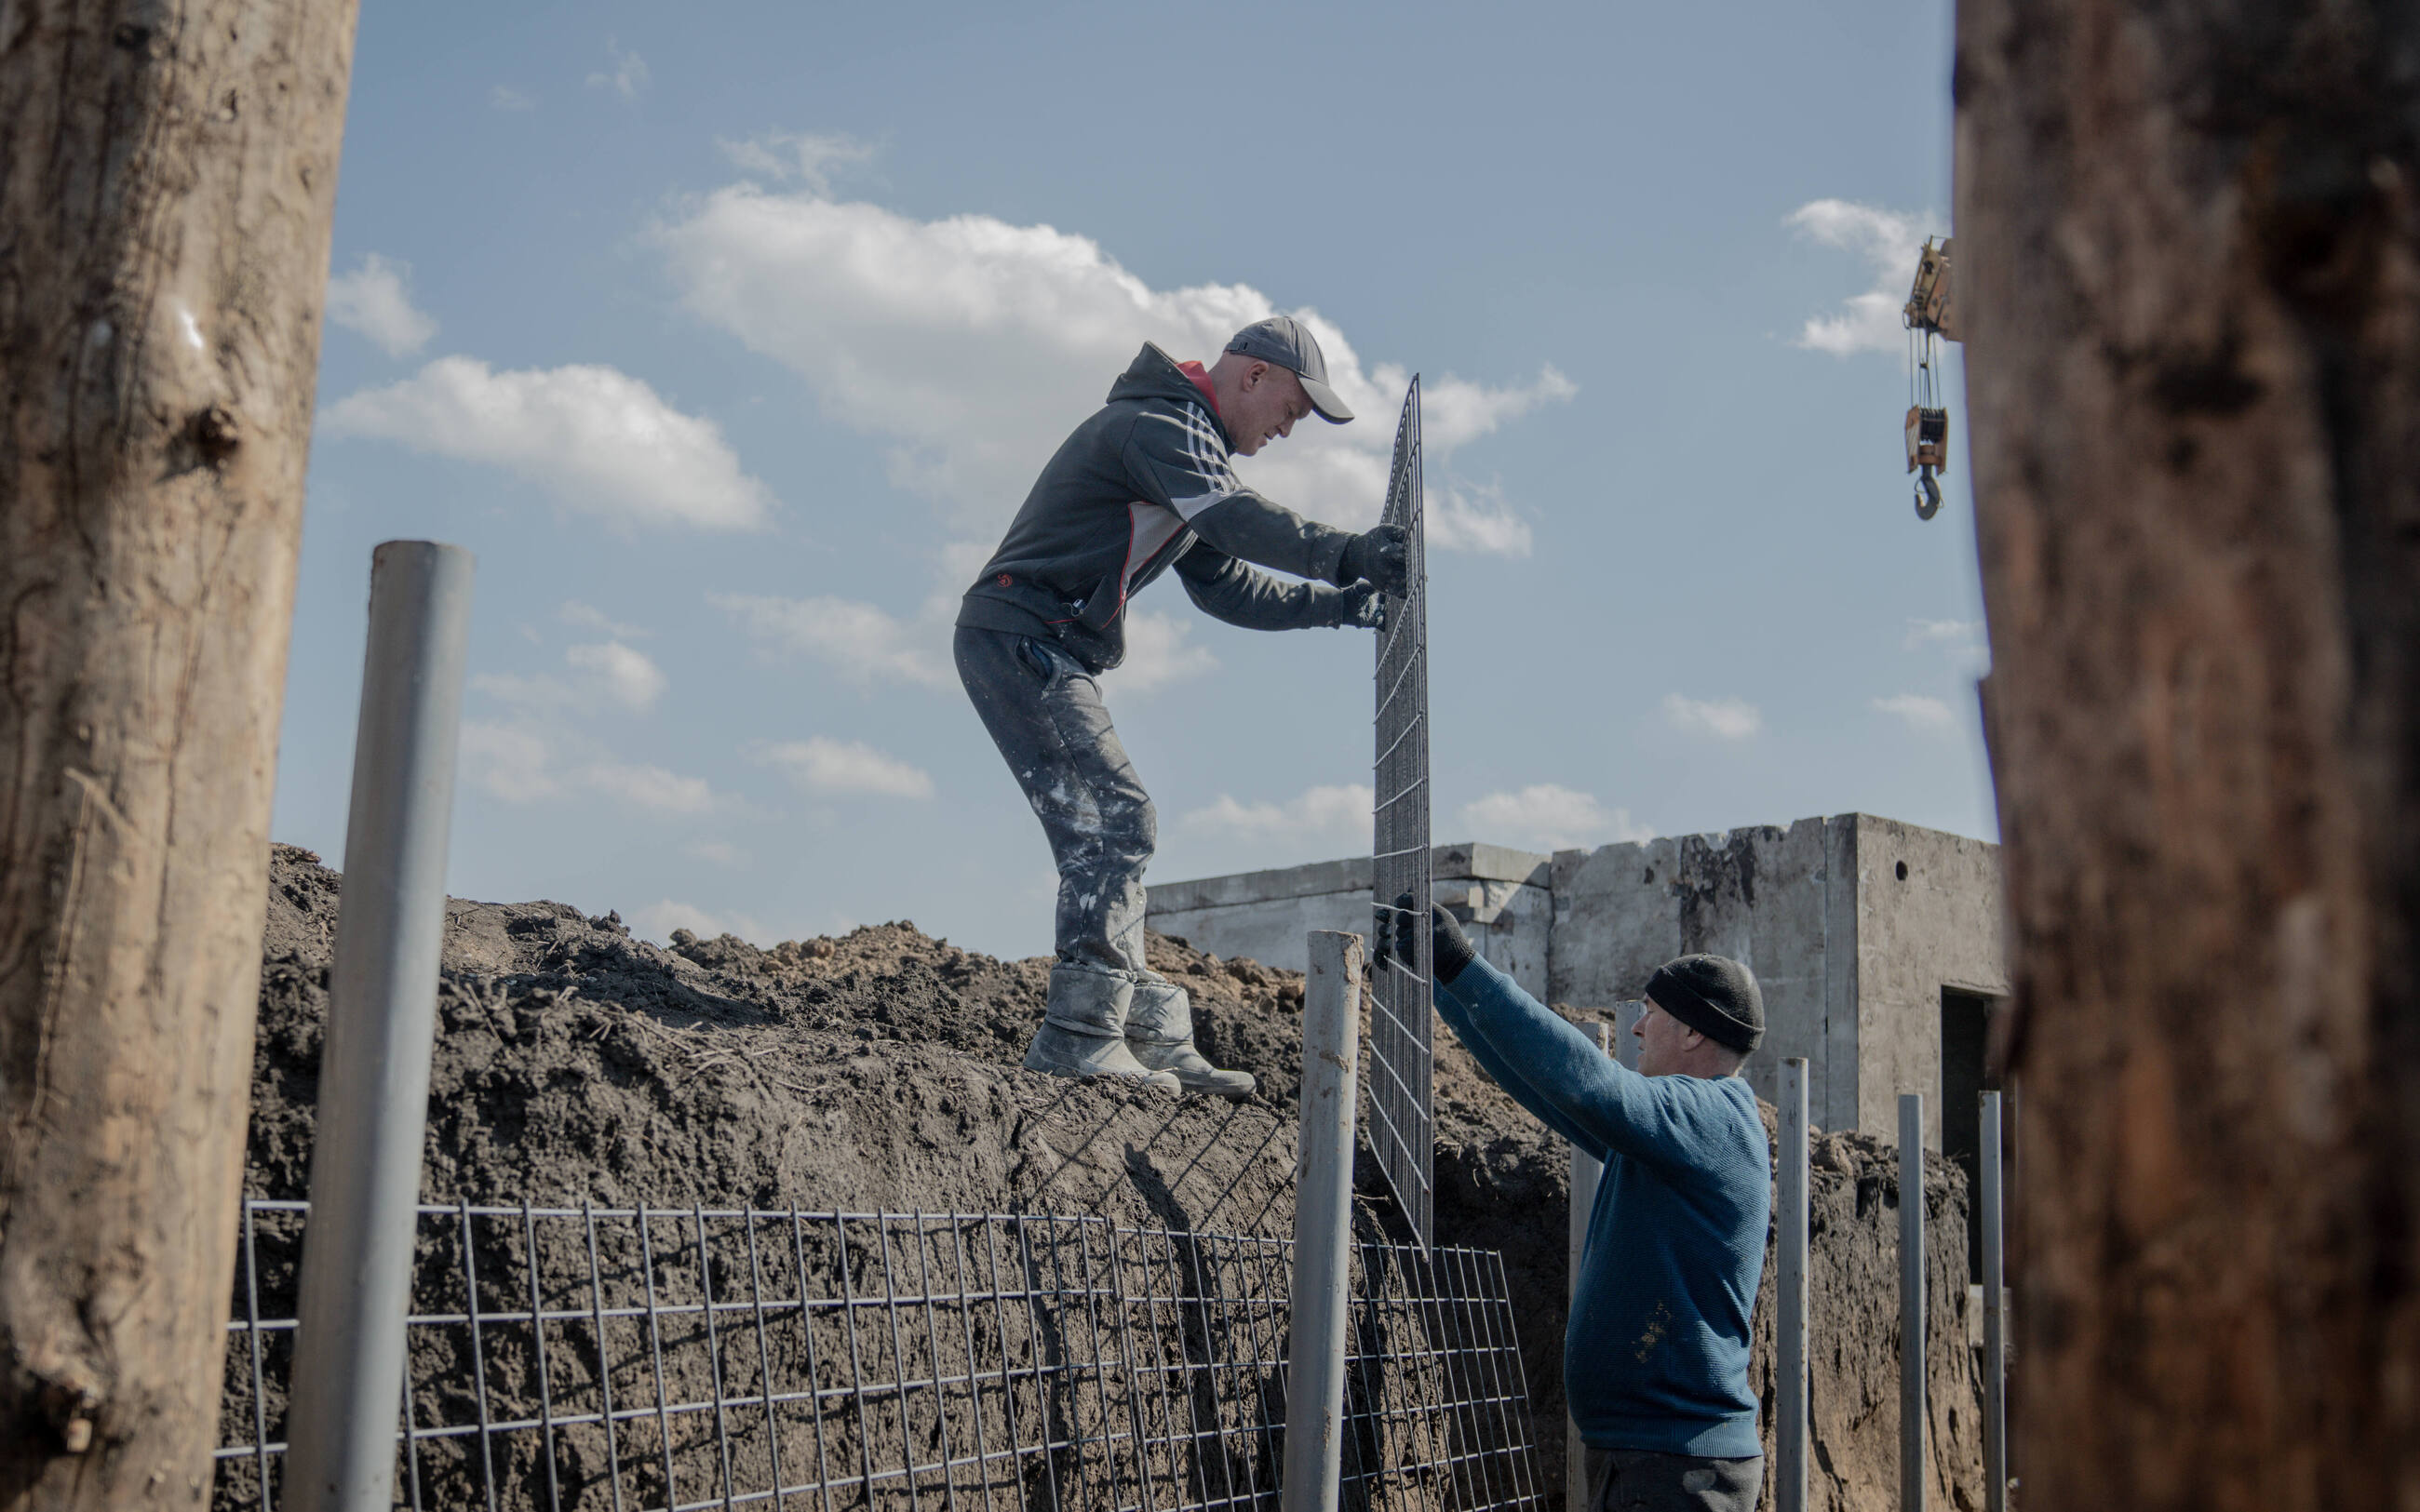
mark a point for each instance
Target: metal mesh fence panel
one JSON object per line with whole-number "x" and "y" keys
{"x": 678, "y": 1359}
{"x": 1399, "y": 1122}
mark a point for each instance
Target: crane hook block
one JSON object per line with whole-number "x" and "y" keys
{"x": 1930, "y": 305}
{"x": 1928, "y": 437}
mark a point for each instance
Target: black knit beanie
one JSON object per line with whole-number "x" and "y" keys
{"x": 1714, "y": 995}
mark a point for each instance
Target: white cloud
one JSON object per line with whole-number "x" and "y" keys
{"x": 1156, "y": 653}
{"x": 1889, "y": 241}
{"x": 612, "y": 673}
{"x": 585, "y": 617}
{"x": 863, "y": 643}
{"x": 1959, "y": 637}
{"x": 504, "y": 96}
{"x": 649, "y": 787}
{"x": 522, "y": 763}
{"x": 600, "y": 441}
{"x": 718, "y": 852}
{"x": 1723, "y": 718}
{"x": 808, "y": 156}
{"x": 626, "y": 676}
{"x": 1927, "y": 715}
{"x": 534, "y": 695}
{"x": 512, "y": 764}
{"x": 375, "y": 300}
{"x": 821, "y": 764}
{"x": 658, "y": 920}
{"x": 903, "y": 330}
{"x": 1476, "y": 519}
{"x": 1549, "y": 817}
{"x": 629, "y": 74}
{"x": 1339, "y": 811}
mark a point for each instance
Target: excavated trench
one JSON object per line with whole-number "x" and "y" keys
{"x": 877, "y": 1071}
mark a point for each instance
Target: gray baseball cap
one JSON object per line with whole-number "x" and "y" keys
{"x": 1287, "y": 342}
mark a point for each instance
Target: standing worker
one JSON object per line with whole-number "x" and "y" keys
{"x": 1142, "y": 486}
{"x": 1655, "y": 1351}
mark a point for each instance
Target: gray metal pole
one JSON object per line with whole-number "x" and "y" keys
{"x": 1323, "y": 1216}
{"x": 355, "y": 1287}
{"x": 1586, "y": 1172}
{"x": 1790, "y": 1353}
{"x": 1911, "y": 1302}
{"x": 1996, "y": 1313}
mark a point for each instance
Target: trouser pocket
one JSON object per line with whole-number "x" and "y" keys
{"x": 1036, "y": 658}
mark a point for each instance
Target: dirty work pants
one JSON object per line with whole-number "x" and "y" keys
{"x": 1637, "y": 1480}
{"x": 1044, "y": 713}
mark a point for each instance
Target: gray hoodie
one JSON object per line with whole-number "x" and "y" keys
{"x": 1142, "y": 484}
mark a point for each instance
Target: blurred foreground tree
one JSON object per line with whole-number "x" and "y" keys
{"x": 167, "y": 179}
{"x": 2190, "y": 270}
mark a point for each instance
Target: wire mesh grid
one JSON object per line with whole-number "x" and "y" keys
{"x": 1399, "y": 1129}
{"x": 666, "y": 1359}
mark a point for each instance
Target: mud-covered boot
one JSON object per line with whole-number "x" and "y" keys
{"x": 1159, "y": 1031}
{"x": 1083, "y": 1033}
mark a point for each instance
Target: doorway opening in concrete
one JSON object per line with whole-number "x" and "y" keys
{"x": 1965, "y": 1033}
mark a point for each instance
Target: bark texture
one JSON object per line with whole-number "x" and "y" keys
{"x": 167, "y": 179}
{"x": 2186, "y": 245}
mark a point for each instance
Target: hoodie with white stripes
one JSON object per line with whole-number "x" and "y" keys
{"x": 1142, "y": 484}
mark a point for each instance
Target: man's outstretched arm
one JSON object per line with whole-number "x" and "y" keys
{"x": 1546, "y": 1063}
{"x": 1177, "y": 460}
{"x": 1229, "y": 589}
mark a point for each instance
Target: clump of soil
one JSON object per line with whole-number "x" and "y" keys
{"x": 878, "y": 1072}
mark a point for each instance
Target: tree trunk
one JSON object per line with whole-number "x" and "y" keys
{"x": 2186, "y": 252}
{"x": 167, "y": 179}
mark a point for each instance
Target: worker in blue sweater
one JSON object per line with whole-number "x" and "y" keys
{"x": 1656, "y": 1353}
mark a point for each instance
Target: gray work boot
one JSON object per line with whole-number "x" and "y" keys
{"x": 1159, "y": 1031}
{"x": 1083, "y": 1033}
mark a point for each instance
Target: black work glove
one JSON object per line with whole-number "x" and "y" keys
{"x": 1381, "y": 556}
{"x": 1448, "y": 947}
{"x": 1364, "y": 609}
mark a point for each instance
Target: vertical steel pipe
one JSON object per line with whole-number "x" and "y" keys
{"x": 1911, "y": 1302}
{"x": 1586, "y": 1171}
{"x": 1323, "y": 1216}
{"x": 355, "y": 1285}
{"x": 1995, "y": 1311}
{"x": 1790, "y": 1351}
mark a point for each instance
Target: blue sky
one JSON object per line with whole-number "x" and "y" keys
{"x": 730, "y": 336}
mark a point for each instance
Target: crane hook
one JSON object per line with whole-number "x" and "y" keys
{"x": 1927, "y": 494}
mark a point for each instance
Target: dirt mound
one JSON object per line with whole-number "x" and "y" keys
{"x": 877, "y": 1071}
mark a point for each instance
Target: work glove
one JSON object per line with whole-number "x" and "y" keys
{"x": 1449, "y": 947}
{"x": 1364, "y": 608}
{"x": 1381, "y": 556}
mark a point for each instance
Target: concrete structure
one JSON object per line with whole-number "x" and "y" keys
{"x": 1877, "y": 943}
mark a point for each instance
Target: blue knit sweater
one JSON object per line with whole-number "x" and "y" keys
{"x": 1655, "y": 1355}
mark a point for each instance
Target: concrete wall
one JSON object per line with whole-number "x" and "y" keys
{"x": 1929, "y": 916}
{"x": 1853, "y": 956}
{"x": 1501, "y": 893}
{"x": 1774, "y": 899}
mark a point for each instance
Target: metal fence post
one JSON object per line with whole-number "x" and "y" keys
{"x": 373, "y": 1108}
{"x": 1789, "y": 1353}
{"x": 1323, "y": 1216}
{"x": 1586, "y": 1171}
{"x": 1996, "y": 1313}
{"x": 1911, "y": 1302}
